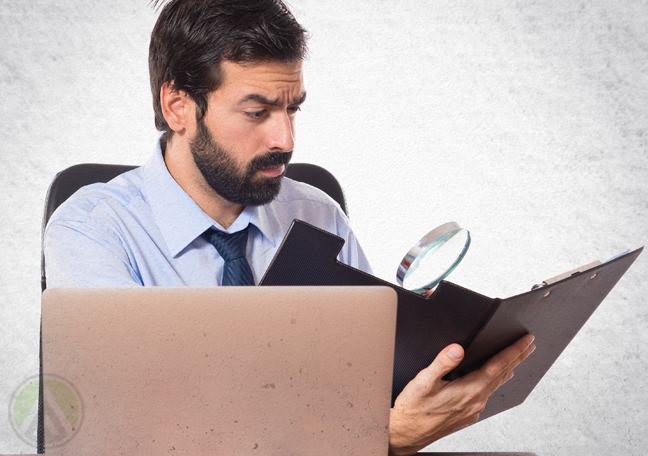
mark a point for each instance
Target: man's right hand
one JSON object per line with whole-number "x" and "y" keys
{"x": 430, "y": 408}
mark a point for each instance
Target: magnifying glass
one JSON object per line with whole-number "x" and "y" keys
{"x": 433, "y": 258}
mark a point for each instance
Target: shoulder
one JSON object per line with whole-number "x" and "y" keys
{"x": 86, "y": 241}
{"x": 298, "y": 200}
{"x": 299, "y": 193}
{"x": 94, "y": 199}
{"x": 301, "y": 201}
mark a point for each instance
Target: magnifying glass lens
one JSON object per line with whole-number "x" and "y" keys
{"x": 433, "y": 258}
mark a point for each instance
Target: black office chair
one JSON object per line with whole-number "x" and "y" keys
{"x": 73, "y": 178}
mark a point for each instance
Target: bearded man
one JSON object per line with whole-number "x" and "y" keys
{"x": 227, "y": 84}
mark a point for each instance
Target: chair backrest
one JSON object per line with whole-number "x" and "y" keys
{"x": 73, "y": 178}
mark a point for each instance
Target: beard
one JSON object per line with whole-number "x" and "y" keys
{"x": 221, "y": 172}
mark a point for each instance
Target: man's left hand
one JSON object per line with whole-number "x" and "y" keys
{"x": 430, "y": 408}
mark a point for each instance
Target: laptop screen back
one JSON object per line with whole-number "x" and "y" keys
{"x": 226, "y": 370}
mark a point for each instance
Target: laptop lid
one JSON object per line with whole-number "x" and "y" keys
{"x": 226, "y": 370}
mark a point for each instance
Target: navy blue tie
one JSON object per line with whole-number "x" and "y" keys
{"x": 232, "y": 248}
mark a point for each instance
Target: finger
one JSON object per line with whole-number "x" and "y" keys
{"x": 496, "y": 368}
{"x": 429, "y": 292}
{"x": 446, "y": 360}
{"x": 507, "y": 378}
{"x": 519, "y": 359}
{"x": 507, "y": 373}
{"x": 507, "y": 357}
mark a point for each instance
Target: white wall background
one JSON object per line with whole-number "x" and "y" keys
{"x": 525, "y": 122}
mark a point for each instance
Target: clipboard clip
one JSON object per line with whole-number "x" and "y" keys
{"x": 567, "y": 274}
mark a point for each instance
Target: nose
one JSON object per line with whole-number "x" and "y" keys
{"x": 280, "y": 138}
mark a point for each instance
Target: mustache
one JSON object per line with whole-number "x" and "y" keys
{"x": 269, "y": 160}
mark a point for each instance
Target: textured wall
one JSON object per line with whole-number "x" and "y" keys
{"x": 525, "y": 122}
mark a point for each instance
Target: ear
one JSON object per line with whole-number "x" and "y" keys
{"x": 178, "y": 108}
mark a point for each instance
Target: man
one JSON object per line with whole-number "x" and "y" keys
{"x": 227, "y": 83}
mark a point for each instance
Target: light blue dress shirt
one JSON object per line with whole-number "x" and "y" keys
{"x": 141, "y": 228}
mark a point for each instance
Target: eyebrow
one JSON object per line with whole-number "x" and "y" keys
{"x": 255, "y": 97}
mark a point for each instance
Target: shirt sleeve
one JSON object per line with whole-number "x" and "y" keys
{"x": 351, "y": 253}
{"x": 78, "y": 255}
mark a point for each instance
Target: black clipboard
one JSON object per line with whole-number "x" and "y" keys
{"x": 553, "y": 313}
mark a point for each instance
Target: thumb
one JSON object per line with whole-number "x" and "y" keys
{"x": 427, "y": 381}
{"x": 448, "y": 359}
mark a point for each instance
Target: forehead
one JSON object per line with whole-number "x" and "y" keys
{"x": 270, "y": 79}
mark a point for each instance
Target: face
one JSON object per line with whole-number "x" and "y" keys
{"x": 245, "y": 140}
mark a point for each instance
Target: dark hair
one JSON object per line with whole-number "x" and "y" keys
{"x": 192, "y": 37}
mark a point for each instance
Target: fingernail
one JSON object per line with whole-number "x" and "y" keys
{"x": 455, "y": 353}
{"x": 532, "y": 348}
{"x": 510, "y": 375}
{"x": 532, "y": 339}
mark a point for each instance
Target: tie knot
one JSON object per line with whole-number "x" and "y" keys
{"x": 229, "y": 246}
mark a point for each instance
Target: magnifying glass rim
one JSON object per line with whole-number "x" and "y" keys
{"x": 421, "y": 247}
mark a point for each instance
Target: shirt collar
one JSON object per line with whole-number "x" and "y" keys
{"x": 261, "y": 217}
{"x": 180, "y": 219}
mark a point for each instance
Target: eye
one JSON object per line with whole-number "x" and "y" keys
{"x": 294, "y": 109}
{"x": 255, "y": 115}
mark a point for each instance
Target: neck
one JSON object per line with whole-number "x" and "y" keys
{"x": 179, "y": 162}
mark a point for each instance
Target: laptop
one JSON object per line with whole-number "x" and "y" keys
{"x": 223, "y": 370}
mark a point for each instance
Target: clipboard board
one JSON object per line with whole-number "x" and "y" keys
{"x": 553, "y": 313}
